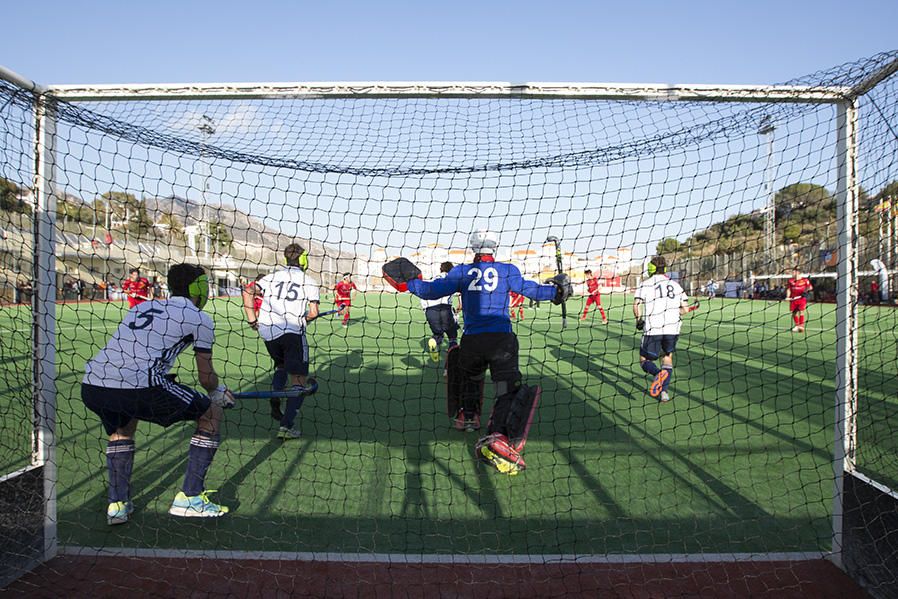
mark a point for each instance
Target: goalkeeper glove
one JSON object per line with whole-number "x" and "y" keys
{"x": 222, "y": 397}
{"x": 640, "y": 324}
{"x": 399, "y": 272}
{"x": 563, "y": 288}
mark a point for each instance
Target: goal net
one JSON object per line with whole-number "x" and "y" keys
{"x": 727, "y": 183}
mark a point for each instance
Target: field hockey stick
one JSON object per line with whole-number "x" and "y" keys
{"x": 559, "y": 266}
{"x": 310, "y": 388}
{"x": 693, "y": 307}
{"x": 329, "y": 312}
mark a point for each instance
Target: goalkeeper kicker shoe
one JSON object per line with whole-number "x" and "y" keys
{"x": 198, "y": 506}
{"x": 118, "y": 512}
{"x": 496, "y": 451}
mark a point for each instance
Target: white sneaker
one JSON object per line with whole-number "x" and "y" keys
{"x": 288, "y": 433}
{"x": 198, "y": 506}
{"x": 664, "y": 398}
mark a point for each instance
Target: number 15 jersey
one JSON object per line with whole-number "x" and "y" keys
{"x": 285, "y": 298}
{"x": 662, "y": 298}
{"x": 146, "y": 344}
{"x": 484, "y": 288}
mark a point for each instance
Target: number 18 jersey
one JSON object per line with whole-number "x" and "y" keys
{"x": 285, "y": 298}
{"x": 662, "y": 298}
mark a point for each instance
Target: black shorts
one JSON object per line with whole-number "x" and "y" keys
{"x": 441, "y": 320}
{"x": 290, "y": 351}
{"x": 164, "y": 404}
{"x": 655, "y": 346}
{"x": 496, "y": 351}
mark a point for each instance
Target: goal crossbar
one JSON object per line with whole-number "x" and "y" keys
{"x": 471, "y": 89}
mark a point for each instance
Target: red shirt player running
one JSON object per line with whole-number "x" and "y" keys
{"x": 517, "y": 301}
{"x": 137, "y": 288}
{"x": 256, "y": 291}
{"x": 797, "y": 290}
{"x": 592, "y": 286}
{"x": 343, "y": 296}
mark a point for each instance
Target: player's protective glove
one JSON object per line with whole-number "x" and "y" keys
{"x": 563, "y": 288}
{"x": 222, "y": 397}
{"x": 640, "y": 324}
{"x": 399, "y": 272}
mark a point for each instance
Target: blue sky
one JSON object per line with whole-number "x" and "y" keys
{"x": 647, "y": 42}
{"x": 637, "y": 42}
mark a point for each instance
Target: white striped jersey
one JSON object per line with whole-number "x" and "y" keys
{"x": 147, "y": 343}
{"x": 285, "y": 299}
{"x": 663, "y": 298}
{"x": 439, "y": 301}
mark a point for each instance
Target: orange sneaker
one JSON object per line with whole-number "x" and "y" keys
{"x": 657, "y": 385}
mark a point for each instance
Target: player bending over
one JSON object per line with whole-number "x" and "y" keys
{"x": 137, "y": 288}
{"x": 289, "y": 301}
{"x": 343, "y": 296}
{"x": 798, "y": 289}
{"x": 441, "y": 318}
{"x": 658, "y": 306}
{"x": 488, "y": 342}
{"x": 127, "y": 382}
{"x": 592, "y": 286}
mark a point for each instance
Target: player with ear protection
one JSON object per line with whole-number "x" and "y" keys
{"x": 128, "y": 381}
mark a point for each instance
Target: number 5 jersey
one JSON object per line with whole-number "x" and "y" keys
{"x": 147, "y": 342}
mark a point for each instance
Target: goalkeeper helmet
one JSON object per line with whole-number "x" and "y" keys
{"x": 483, "y": 242}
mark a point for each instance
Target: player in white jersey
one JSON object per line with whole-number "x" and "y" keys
{"x": 441, "y": 318}
{"x": 658, "y": 305}
{"x": 290, "y": 301}
{"x": 127, "y": 382}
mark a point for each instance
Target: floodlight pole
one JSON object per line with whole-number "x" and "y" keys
{"x": 207, "y": 128}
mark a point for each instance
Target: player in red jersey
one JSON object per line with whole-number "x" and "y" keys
{"x": 253, "y": 289}
{"x": 798, "y": 288}
{"x": 592, "y": 286}
{"x": 137, "y": 288}
{"x": 343, "y": 296}
{"x": 517, "y": 301}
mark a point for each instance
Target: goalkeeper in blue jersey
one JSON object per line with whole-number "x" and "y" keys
{"x": 488, "y": 341}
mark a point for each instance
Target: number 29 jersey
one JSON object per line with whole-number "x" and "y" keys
{"x": 146, "y": 344}
{"x": 662, "y": 298}
{"x": 484, "y": 288}
{"x": 285, "y": 299}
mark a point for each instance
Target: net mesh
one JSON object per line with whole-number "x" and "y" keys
{"x": 740, "y": 461}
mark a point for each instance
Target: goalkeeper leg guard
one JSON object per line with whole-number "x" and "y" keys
{"x": 513, "y": 414}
